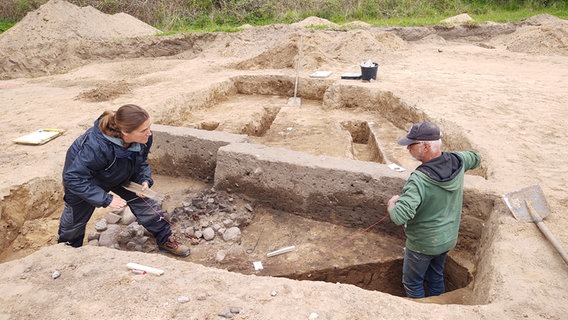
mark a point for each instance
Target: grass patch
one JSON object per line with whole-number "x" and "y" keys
{"x": 228, "y": 16}
{"x": 5, "y": 25}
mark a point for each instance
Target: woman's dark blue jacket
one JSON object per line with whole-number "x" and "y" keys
{"x": 94, "y": 165}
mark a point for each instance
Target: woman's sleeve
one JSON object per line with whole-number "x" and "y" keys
{"x": 78, "y": 176}
{"x": 145, "y": 173}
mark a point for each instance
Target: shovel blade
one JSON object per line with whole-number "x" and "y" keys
{"x": 515, "y": 201}
{"x": 294, "y": 102}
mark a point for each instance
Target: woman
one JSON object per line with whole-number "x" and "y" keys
{"x": 108, "y": 155}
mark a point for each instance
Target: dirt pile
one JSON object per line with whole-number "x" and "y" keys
{"x": 321, "y": 49}
{"x": 542, "y": 34}
{"x": 59, "y": 20}
{"x": 47, "y": 40}
{"x": 316, "y": 22}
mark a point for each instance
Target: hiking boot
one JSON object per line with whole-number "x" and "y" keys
{"x": 174, "y": 247}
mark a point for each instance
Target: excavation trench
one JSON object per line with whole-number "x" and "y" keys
{"x": 331, "y": 212}
{"x": 314, "y": 177}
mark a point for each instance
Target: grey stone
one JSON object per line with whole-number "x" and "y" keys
{"x": 208, "y": 234}
{"x": 101, "y": 225}
{"x": 232, "y": 235}
{"x": 220, "y": 256}
{"x": 226, "y": 313}
{"x": 112, "y": 218}
{"x": 228, "y": 223}
{"x": 109, "y": 237}
{"x": 189, "y": 231}
{"x": 93, "y": 236}
{"x": 127, "y": 217}
{"x": 131, "y": 245}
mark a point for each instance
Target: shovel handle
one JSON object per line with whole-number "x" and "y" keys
{"x": 547, "y": 233}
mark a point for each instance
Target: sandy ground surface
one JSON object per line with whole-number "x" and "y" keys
{"x": 504, "y": 90}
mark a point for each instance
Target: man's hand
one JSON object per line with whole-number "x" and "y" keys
{"x": 117, "y": 202}
{"x": 392, "y": 202}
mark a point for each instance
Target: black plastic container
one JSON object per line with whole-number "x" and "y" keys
{"x": 368, "y": 73}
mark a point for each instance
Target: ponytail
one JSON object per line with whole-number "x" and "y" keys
{"x": 127, "y": 118}
{"x": 107, "y": 124}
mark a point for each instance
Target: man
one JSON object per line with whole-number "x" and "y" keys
{"x": 430, "y": 208}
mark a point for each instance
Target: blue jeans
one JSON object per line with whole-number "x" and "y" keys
{"x": 419, "y": 269}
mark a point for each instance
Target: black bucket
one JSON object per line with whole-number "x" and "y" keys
{"x": 368, "y": 73}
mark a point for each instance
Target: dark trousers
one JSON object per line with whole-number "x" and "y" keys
{"x": 77, "y": 212}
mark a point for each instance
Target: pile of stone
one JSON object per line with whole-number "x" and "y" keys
{"x": 202, "y": 217}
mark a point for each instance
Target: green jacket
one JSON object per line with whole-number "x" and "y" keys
{"x": 430, "y": 205}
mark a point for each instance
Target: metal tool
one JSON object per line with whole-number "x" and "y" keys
{"x": 529, "y": 205}
{"x": 295, "y": 101}
{"x": 534, "y": 195}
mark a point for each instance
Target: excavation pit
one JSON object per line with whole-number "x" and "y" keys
{"x": 370, "y": 258}
{"x": 315, "y": 177}
{"x": 383, "y": 276}
{"x": 350, "y": 121}
{"x": 366, "y": 258}
{"x": 312, "y": 177}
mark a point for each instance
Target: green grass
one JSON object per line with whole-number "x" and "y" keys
{"x": 480, "y": 15}
{"x": 500, "y": 16}
{"x": 512, "y": 16}
{"x": 227, "y": 16}
{"x": 4, "y": 25}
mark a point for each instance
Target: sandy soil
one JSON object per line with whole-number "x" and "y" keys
{"x": 502, "y": 86}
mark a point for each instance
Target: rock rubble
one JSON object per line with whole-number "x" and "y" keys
{"x": 202, "y": 217}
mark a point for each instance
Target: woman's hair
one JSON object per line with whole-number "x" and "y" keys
{"x": 127, "y": 118}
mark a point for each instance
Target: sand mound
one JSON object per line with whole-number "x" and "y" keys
{"x": 541, "y": 19}
{"x": 60, "y": 20}
{"x": 459, "y": 19}
{"x": 316, "y": 22}
{"x": 361, "y": 45}
{"x": 543, "y": 40}
{"x": 323, "y": 49}
{"x": 357, "y": 25}
{"x": 542, "y": 35}
{"x": 285, "y": 55}
{"x": 45, "y": 39}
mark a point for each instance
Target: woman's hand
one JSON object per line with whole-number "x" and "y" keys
{"x": 144, "y": 187}
{"x": 117, "y": 202}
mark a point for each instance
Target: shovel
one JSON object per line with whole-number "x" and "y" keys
{"x": 295, "y": 101}
{"x": 529, "y": 205}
